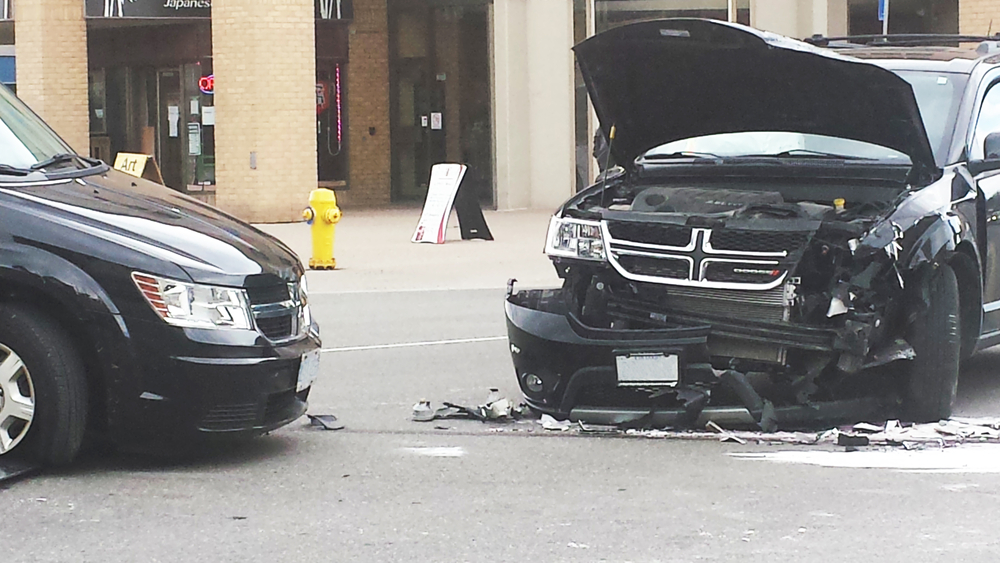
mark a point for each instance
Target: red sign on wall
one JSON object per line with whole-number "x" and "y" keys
{"x": 207, "y": 84}
{"x": 322, "y": 97}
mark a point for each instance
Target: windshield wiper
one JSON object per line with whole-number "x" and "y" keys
{"x": 682, "y": 154}
{"x": 808, "y": 154}
{"x": 13, "y": 170}
{"x": 63, "y": 158}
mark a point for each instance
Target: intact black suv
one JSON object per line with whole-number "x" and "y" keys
{"x": 799, "y": 232}
{"x": 133, "y": 311}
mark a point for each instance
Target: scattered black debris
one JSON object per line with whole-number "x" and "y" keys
{"x": 852, "y": 440}
{"x": 325, "y": 421}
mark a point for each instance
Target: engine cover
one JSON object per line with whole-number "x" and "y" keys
{"x": 700, "y": 201}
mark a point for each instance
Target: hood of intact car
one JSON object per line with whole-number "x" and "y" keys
{"x": 160, "y": 223}
{"x": 667, "y": 80}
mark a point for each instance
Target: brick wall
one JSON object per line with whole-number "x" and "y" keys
{"x": 975, "y": 16}
{"x": 52, "y": 66}
{"x": 368, "y": 107}
{"x": 264, "y": 60}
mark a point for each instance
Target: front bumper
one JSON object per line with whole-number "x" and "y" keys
{"x": 576, "y": 365}
{"x": 196, "y": 384}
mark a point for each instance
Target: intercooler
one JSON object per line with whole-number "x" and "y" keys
{"x": 666, "y": 305}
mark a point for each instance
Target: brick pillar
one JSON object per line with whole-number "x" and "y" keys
{"x": 51, "y": 44}
{"x": 368, "y": 106}
{"x": 264, "y": 60}
{"x": 977, "y": 17}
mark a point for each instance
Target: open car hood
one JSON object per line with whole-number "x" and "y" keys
{"x": 667, "y": 80}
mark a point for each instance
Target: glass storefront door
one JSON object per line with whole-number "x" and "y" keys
{"x": 168, "y": 146}
{"x": 440, "y": 97}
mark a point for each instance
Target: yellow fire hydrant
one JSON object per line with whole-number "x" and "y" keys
{"x": 323, "y": 214}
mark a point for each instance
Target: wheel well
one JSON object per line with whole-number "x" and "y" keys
{"x": 970, "y": 295}
{"x": 77, "y": 332}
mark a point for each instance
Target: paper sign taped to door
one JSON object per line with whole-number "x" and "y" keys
{"x": 441, "y": 192}
{"x": 173, "y": 119}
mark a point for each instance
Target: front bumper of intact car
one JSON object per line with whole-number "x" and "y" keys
{"x": 199, "y": 384}
{"x": 652, "y": 377}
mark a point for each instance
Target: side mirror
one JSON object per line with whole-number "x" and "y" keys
{"x": 991, "y": 156}
{"x": 991, "y": 146}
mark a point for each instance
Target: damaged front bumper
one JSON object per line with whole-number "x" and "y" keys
{"x": 658, "y": 377}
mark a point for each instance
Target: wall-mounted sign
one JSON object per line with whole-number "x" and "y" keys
{"x": 207, "y": 84}
{"x": 6, "y": 11}
{"x": 325, "y": 9}
{"x": 334, "y": 10}
{"x": 148, "y": 8}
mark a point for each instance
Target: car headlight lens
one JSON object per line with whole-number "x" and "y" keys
{"x": 304, "y": 299}
{"x": 195, "y": 305}
{"x": 575, "y": 238}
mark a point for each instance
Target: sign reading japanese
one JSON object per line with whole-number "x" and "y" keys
{"x": 148, "y": 8}
{"x": 325, "y": 9}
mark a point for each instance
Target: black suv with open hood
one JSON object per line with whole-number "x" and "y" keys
{"x": 133, "y": 311}
{"x": 796, "y": 232}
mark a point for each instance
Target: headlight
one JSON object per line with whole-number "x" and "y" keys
{"x": 195, "y": 305}
{"x": 304, "y": 298}
{"x": 574, "y": 238}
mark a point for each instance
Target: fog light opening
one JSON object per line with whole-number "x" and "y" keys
{"x": 534, "y": 383}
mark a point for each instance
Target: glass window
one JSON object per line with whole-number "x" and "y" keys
{"x": 938, "y": 96}
{"x": 759, "y": 143}
{"x": 988, "y": 122}
{"x": 24, "y": 139}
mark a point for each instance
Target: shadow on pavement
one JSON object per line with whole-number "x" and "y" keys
{"x": 222, "y": 455}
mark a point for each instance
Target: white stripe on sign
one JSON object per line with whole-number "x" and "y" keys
{"x": 414, "y": 344}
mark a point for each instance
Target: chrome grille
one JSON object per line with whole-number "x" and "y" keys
{"x": 719, "y": 258}
{"x": 277, "y": 310}
{"x": 651, "y": 233}
{"x": 736, "y": 240}
{"x": 659, "y": 267}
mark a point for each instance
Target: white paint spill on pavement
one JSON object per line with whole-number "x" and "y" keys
{"x": 445, "y": 451}
{"x": 973, "y": 458}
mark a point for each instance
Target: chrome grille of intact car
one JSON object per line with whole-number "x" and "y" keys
{"x": 276, "y": 310}
{"x": 699, "y": 257}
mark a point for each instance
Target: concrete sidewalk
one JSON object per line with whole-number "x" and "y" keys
{"x": 374, "y": 253}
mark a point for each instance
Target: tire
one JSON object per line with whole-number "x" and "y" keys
{"x": 48, "y": 361}
{"x": 937, "y": 340}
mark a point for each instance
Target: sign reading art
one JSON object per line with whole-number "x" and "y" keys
{"x": 325, "y": 9}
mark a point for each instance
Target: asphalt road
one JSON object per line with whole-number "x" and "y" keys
{"x": 388, "y": 489}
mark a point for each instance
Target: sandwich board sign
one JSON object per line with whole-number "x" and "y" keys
{"x": 138, "y": 165}
{"x": 441, "y": 192}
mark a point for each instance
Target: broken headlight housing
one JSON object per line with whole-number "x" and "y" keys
{"x": 575, "y": 238}
{"x": 195, "y": 305}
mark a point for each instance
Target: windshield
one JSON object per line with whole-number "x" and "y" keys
{"x": 938, "y": 96}
{"x": 24, "y": 139}
{"x": 775, "y": 143}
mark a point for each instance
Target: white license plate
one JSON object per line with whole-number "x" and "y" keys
{"x": 648, "y": 369}
{"x": 308, "y": 370}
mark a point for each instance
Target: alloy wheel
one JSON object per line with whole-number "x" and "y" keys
{"x": 17, "y": 400}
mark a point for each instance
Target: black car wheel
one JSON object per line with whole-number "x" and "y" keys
{"x": 43, "y": 388}
{"x": 936, "y": 338}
